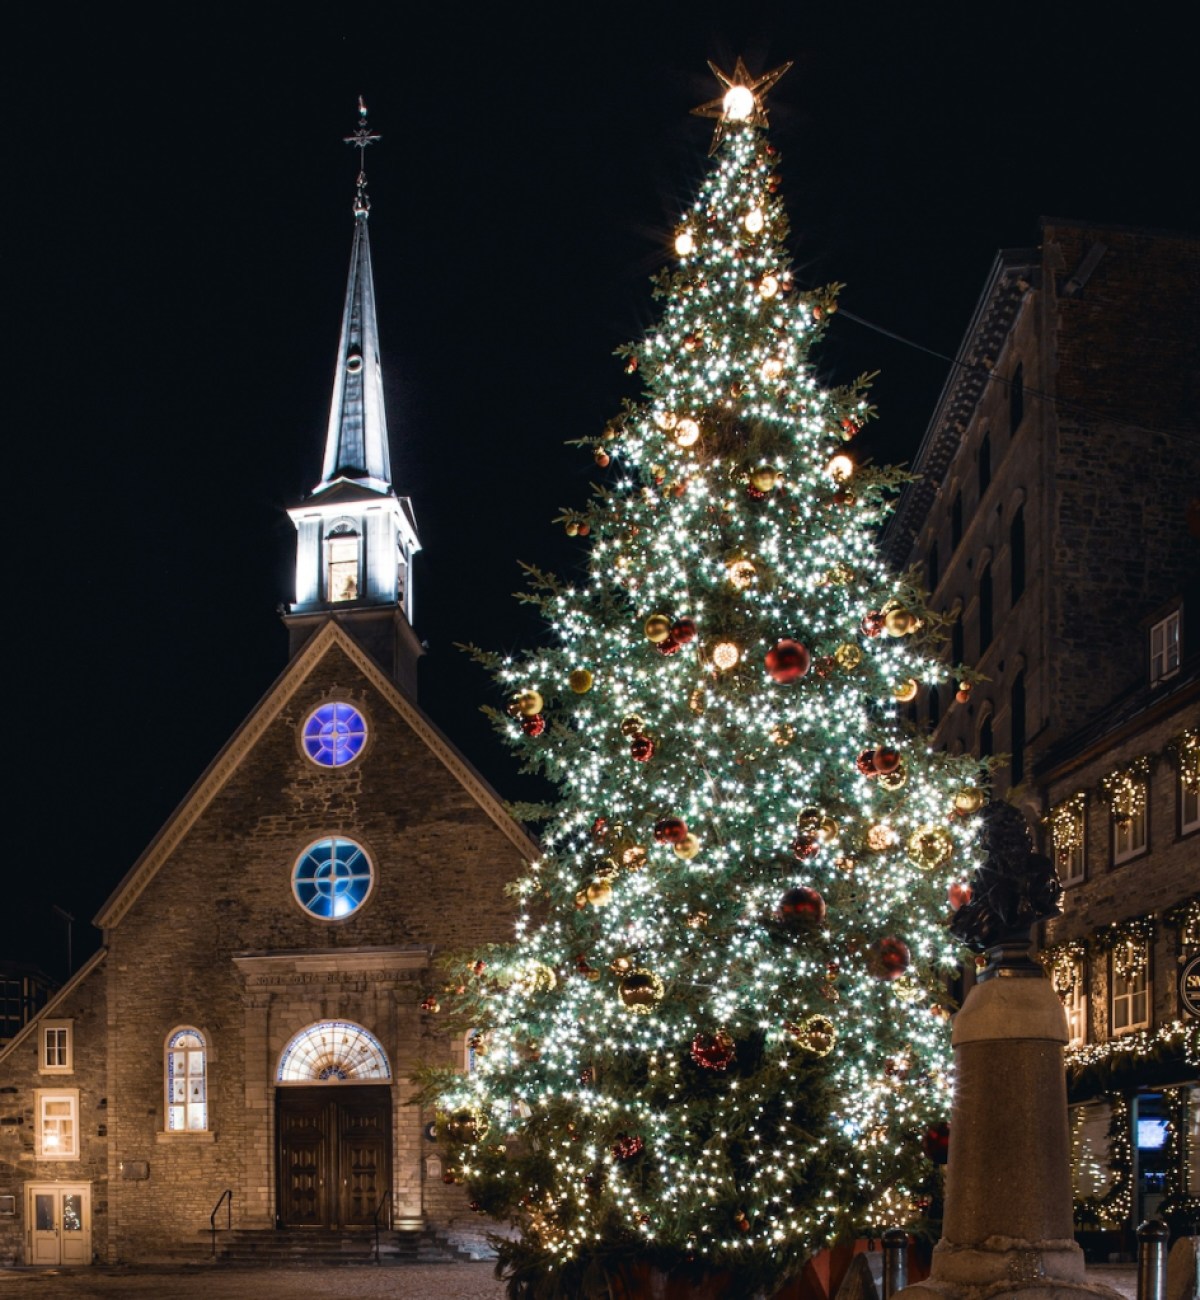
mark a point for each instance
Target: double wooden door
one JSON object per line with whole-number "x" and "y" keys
{"x": 335, "y": 1154}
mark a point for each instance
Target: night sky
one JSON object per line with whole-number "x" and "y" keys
{"x": 178, "y": 204}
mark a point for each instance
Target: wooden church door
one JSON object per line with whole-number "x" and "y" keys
{"x": 334, "y": 1155}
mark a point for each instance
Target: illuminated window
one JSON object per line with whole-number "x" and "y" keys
{"x": 334, "y": 1051}
{"x": 187, "y": 1082}
{"x": 334, "y": 734}
{"x": 1091, "y": 1150}
{"x": 1075, "y": 1004}
{"x": 1129, "y": 833}
{"x": 332, "y": 878}
{"x": 341, "y": 565}
{"x": 1189, "y": 806}
{"x": 57, "y": 1135}
{"x": 1130, "y": 987}
{"x": 56, "y": 1055}
{"x": 1164, "y": 648}
{"x": 1068, "y": 825}
{"x": 471, "y": 1050}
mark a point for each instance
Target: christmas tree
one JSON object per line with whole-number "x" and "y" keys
{"x": 720, "y": 1038}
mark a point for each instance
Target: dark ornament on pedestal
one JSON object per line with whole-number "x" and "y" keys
{"x": 1013, "y": 890}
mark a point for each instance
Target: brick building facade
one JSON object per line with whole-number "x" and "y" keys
{"x": 249, "y": 1025}
{"x": 1057, "y": 522}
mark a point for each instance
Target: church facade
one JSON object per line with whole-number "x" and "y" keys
{"x": 245, "y": 1034}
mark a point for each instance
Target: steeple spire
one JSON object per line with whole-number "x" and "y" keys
{"x": 355, "y": 537}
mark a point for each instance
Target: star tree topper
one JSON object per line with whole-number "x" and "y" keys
{"x": 743, "y": 99}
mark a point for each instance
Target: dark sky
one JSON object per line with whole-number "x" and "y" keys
{"x": 178, "y": 230}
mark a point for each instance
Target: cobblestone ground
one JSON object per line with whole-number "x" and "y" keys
{"x": 366, "y": 1282}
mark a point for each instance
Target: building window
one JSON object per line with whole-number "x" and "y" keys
{"x": 1130, "y": 986}
{"x": 333, "y": 1051}
{"x": 187, "y": 1082}
{"x": 1016, "y": 555}
{"x": 1129, "y": 836}
{"x": 341, "y": 565}
{"x": 1068, "y": 833}
{"x": 1189, "y": 806}
{"x": 1017, "y": 710}
{"x": 1164, "y": 648}
{"x": 984, "y": 463}
{"x": 1066, "y": 964}
{"x": 1016, "y": 399}
{"x": 985, "y": 608}
{"x": 57, "y": 1135}
{"x": 1075, "y": 1004}
{"x": 332, "y": 878}
{"x": 931, "y": 568}
{"x": 1126, "y": 791}
{"x": 57, "y": 1051}
{"x": 334, "y": 734}
{"x": 956, "y": 527}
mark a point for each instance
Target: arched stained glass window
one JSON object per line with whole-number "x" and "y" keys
{"x": 333, "y": 1051}
{"x": 187, "y": 1082}
{"x": 334, "y": 734}
{"x": 332, "y": 878}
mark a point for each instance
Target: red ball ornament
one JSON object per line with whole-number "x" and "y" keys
{"x": 890, "y": 958}
{"x": 936, "y": 1143}
{"x": 805, "y": 847}
{"x": 642, "y": 748}
{"x": 801, "y": 906}
{"x": 958, "y": 894}
{"x": 628, "y": 1147}
{"x": 715, "y": 1052}
{"x": 886, "y": 759}
{"x": 670, "y": 830}
{"x": 670, "y": 646}
{"x": 755, "y": 494}
{"x": 872, "y": 622}
{"x": 533, "y": 726}
{"x": 865, "y": 763}
{"x": 824, "y": 665}
{"x": 683, "y": 630}
{"x": 788, "y": 661}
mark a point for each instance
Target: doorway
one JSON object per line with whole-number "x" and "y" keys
{"x": 334, "y": 1154}
{"x": 58, "y": 1220}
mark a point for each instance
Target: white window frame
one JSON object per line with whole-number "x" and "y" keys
{"x": 1125, "y": 995}
{"x": 343, "y": 559}
{"x": 1075, "y": 1004}
{"x": 1129, "y": 834}
{"x": 1073, "y": 870}
{"x": 56, "y": 1039}
{"x": 48, "y": 1129}
{"x": 1165, "y": 647}
{"x": 1189, "y": 808}
{"x": 187, "y": 1105}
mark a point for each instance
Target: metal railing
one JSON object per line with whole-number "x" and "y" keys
{"x": 385, "y": 1199}
{"x": 226, "y": 1197}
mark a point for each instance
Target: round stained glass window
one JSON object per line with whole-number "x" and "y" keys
{"x": 332, "y": 878}
{"x": 334, "y": 734}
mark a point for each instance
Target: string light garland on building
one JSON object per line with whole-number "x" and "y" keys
{"x": 1066, "y": 823}
{"x": 1064, "y": 965}
{"x": 1125, "y": 789}
{"x": 742, "y": 1036}
{"x": 1185, "y": 750}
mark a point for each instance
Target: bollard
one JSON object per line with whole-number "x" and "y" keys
{"x": 895, "y": 1261}
{"x": 1152, "y": 1260}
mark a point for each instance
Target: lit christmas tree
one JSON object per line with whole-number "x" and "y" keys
{"x": 720, "y": 1039}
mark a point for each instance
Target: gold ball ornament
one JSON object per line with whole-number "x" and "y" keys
{"x": 633, "y": 724}
{"x": 906, "y": 690}
{"x": 580, "y": 680}
{"x": 688, "y": 848}
{"x": 828, "y": 830}
{"x": 893, "y": 780}
{"x": 783, "y": 733}
{"x": 529, "y": 703}
{"x": 765, "y": 477}
{"x": 848, "y": 656}
{"x": 899, "y": 622}
{"x": 725, "y": 655}
{"x": 535, "y": 977}
{"x": 697, "y": 700}
{"x": 741, "y": 573}
{"x": 687, "y": 433}
{"x": 840, "y": 468}
{"x": 817, "y": 1035}
{"x": 839, "y": 575}
{"x": 634, "y": 857}
{"x": 599, "y": 893}
{"x": 881, "y": 837}
{"x": 968, "y": 801}
{"x": 657, "y": 628}
{"x": 930, "y": 846}
{"x": 641, "y": 991}
{"x": 808, "y": 820}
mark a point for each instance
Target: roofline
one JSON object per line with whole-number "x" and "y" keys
{"x": 1117, "y": 227}
{"x": 231, "y": 754}
{"x": 45, "y": 1013}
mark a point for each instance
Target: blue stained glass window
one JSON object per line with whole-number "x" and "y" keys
{"x": 334, "y": 734}
{"x": 332, "y": 878}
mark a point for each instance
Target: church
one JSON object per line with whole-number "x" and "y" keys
{"x": 243, "y": 1039}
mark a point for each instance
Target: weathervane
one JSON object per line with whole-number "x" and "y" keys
{"x": 742, "y": 100}
{"x": 362, "y": 137}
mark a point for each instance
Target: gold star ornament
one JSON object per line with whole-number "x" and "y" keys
{"x": 742, "y": 99}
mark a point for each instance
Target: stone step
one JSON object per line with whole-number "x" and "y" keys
{"x": 247, "y": 1247}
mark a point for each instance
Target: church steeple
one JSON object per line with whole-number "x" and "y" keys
{"x": 355, "y": 537}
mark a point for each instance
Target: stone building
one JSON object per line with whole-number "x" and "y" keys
{"x": 248, "y": 1027}
{"x": 1057, "y": 523}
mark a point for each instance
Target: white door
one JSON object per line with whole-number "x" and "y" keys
{"x": 59, "y": 1219}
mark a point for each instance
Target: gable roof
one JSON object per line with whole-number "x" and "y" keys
{"x": 55, "y": 1002}
{"x": 227, "y": 762}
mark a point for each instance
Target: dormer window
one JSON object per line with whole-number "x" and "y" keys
{"x": 341, "y": 564}
{"x": 1164, "y": 648}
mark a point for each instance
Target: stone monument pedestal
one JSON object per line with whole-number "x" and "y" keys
{"x": 1009, "y": 1228}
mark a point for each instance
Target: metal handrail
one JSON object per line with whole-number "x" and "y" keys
{"x": 227, "y": 1197}
{"x": 385, "y": 1199}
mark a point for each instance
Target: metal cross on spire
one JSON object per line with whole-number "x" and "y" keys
{"x": 362, "y": 137}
